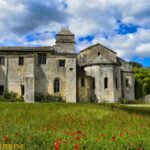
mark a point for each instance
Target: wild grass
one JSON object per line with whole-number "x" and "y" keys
{"x": 46, "y": 126}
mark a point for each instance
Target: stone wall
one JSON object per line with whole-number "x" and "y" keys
{"x": 85, "y": 93}
{"x": 99, "y": 72}
{"x": 128, "y": 91}
{"x": 40, "y": 77}
{"x": 92, "y": 55}
{"x": 45, "y": 74}
{"x": 71, "y": 80}
{"x": 3, "y": 74}
{"x": 117, "y": 83}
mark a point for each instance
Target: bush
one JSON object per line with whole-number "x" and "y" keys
{"x": 11, "y": 97}
{"x": 128, "y": 101}
{"x": 47, "y": 98}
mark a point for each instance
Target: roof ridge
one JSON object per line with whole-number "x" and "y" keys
{"x": 97, "y": 45}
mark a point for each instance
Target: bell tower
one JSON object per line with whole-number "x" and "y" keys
{"x": 65, "y": 42}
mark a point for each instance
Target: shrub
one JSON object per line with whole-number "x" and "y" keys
{"x": 11, "y": 97}
{"x": 47, "y": 98}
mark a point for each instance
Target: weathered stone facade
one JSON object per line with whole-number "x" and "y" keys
{"x": 95, "y": 73}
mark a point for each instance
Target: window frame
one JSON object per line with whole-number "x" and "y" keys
{"x": 105, "y": 83}
{"x": 93, "y": 83}
{"x": 116, "y": 83}
{"x": 63, "y": 61}
{"x": 2, "y": 60}
{"x": 42, "y": 58}
{"x": 22, "y": 90}
{"x": 3, "y": 89}
{"x": 21, "y": 61}
{"x": 82, "y": 82}
{"x": 57, "y": 85}
{"x": 127, "y": 83}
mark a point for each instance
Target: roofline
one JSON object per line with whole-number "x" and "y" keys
{"x": 25, "y": 49}
{"x": 123, "y": 60}
{"x": 97, "y": 45}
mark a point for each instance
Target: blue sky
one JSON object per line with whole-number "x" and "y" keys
{"x": 123, "y": 26}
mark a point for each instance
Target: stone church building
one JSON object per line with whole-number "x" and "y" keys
{"x": 95, "y": 73}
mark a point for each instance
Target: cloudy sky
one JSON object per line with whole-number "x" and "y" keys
{"x": 122, "y": 25}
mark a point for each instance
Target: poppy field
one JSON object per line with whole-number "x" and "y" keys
{"x": 82, "y": 126}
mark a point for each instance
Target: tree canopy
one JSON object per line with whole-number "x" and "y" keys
{"x": 142, "y": 80}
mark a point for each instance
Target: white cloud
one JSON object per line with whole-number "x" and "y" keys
{"x": 18, "y": 18}
{"x": 130, "y": 45}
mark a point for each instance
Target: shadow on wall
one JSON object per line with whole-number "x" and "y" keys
{"x": 41, "y": 82}
{"x": 2, "y": 80}
{"x": 94, "y": 97}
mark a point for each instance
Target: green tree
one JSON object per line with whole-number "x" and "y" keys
{"x": 136, "y": 64}
{"x": 142, "y": 81}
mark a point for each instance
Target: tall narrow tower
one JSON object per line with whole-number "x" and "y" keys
{"x": 65, "y": 42}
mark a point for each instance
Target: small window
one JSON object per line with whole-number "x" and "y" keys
{"x": 21, "y": 61}
{"x": 56, "y": 86}
{"x": 61, "y": 63}
{"x": 93, "y": 83}
{"x": 127, "y": 82}
{"x": 98, "y": 53}
{"x": 82, "y": 82}
{"x": 2, "y": 60}
{"x": 106, "y": 83}
{"x": 1, "y": 89}
{"x": 116, "y": 83}
{"x": 70, "y": 69}
{"x": 41, "y": 58}
{"x": 22, "y": 90}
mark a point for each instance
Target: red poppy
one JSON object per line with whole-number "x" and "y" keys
{"x": 5, "y": 138}
{"x": 72, "y": 133}
{"x": 121, "y": 134}
{"x": 139, "y": 148}
{"x": 114, "y": 138}
{"x": 79, "y": 132}
{"x": 76, "y": 146}
{"x": 131, "y": 145}
{"x": 54, "y": 129}
{"x": 57, "y": 144}
{"x": 103, "y": 135}
{"x": 78, "y": 138}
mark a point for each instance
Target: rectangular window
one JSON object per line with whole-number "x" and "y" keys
{"x": 41, "y": 58}
{"x": 21, "y": 61}
{"x": 61, "y": 63}
{"x": 22, "y": 90}
{"x": 127, "y": 82}
{"x": 93, "y": 83}
{"x": 82, "y": 82}
{"x": 2, "y": 60}
{"x": 1, "y": 89}
{"x": 116, "y": 83}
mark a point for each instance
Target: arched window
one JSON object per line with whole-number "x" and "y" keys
{"x": 93, "y": 83}
{"x": 22, "y": 90}
{"x": 106, "y": 83}
{"x": 56, "y": 85}
{"x": 116, "y": 83}
{"x": 127, "y": 82}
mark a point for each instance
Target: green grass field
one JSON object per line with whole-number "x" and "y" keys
{"x": 85, "y": 126}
